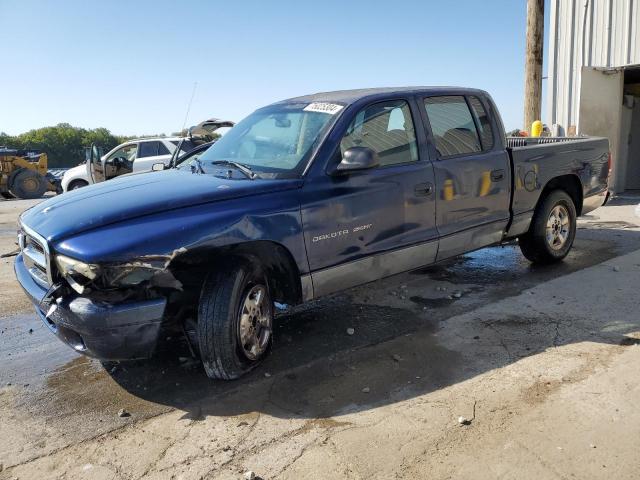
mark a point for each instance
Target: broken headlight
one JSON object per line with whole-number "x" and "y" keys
{"x": 78, "y": 274}
{"x": 128, "y": 275}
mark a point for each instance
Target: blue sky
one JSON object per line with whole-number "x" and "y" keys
{"x": 130, "y": 66}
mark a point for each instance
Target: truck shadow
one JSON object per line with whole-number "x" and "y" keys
{"x": 627, "y": 198}
{"x": 318, "y": 370}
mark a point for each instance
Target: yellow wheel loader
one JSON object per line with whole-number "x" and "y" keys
{"x": 24, "y": 174}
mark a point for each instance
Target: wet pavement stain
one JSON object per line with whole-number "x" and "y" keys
{"x": 607, "y": 225}
{"x": 505, "y": 266}
{"x": 432, "y": 302}
{"x": 84, "y": 387}
{"x": 89, "y": 396}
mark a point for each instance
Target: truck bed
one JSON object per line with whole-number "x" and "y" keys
{"x": 535, "y": 161}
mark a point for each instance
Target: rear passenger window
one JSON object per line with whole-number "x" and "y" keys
{"x": 452, "y": 125}
{"x": 484, "y": 123}
{"x": 148, "y": 149}
{"x": 387, "y": 128}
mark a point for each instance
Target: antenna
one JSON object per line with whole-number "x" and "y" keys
{"x": 186, "y": 115}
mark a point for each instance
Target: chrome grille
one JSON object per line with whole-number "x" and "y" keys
{"x": 35, "y": 254}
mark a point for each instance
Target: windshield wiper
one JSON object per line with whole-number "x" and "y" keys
{"x": 243, "y": 168}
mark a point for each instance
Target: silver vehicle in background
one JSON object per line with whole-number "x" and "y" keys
{"x": 139, "y": 155}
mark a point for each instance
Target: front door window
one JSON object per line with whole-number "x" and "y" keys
{"x": 121, "y": 161}
{"x": 387, "y": 128}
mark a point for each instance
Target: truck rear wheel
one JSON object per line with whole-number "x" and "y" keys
{"x": 552, "y": 229}
{"x": 27, "y": 184}
{"x": 235, "y": 321}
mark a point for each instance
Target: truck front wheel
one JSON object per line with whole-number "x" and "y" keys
{"x": 235, "y": 321}
{"x": 552, "y": 229}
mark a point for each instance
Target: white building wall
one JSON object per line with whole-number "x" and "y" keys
{"x": 597, "y": 33}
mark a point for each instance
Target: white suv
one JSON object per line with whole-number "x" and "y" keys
{"x": 133, "y": 156}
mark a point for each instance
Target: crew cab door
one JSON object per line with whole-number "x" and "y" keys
{"x": 369, "y": 224}
{"x": 472, "y": 172}
{"x": 151, "y": 152}
{"x": 117, "y": 162}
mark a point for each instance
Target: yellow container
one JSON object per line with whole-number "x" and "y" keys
{"x": 536, "y": 128}
{"x": 485, "y": 184}
{"x": 448, "y": 190}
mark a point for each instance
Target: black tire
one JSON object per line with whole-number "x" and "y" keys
{"x": 6, "y": 195}
{"x": 540, "y": 247}
{"x": 76, "y": 184}
{"x": 220, "y": 316}
{"x": 28, "y": 184}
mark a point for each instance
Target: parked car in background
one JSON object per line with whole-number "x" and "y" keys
{"x": 303, "y": 198}
{"x": 137, "y": 155}
{"x": 136, "y": 159}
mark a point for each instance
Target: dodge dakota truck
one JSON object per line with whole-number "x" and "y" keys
{"x": 303, "y": 198}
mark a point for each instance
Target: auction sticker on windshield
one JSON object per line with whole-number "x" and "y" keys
{"x": 321, "y": 107}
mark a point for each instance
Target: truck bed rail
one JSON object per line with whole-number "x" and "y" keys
{"x": 513, "y": 142}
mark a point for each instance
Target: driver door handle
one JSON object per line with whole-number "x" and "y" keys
{"x": 423, "y": 189}
{"x": 497, "y": 175}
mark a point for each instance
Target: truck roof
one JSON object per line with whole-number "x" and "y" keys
{"x": 351, "y": 96}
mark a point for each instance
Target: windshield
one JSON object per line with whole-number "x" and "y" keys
{"x": 277, "y": 139}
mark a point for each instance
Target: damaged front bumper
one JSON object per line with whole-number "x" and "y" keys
{"x": 104, "y": 330}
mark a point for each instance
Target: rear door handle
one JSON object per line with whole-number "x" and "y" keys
{"x": 423, "y": 189}
{"x": 497, "y": 175}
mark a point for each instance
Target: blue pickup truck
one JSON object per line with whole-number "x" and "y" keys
{"x": 303, "y": 198}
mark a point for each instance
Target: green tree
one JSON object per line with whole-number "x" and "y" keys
{"x": 63, "y": 143}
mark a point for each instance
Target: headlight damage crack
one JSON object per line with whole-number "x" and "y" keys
{"x": 150, "y": 269}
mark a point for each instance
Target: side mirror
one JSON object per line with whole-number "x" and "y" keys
{"x": 157, "y": 167}
{"x": 357, "y": 158}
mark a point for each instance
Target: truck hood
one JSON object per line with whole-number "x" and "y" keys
{"x": 137, "y": 195}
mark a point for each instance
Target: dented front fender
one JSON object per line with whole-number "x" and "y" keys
{"x": 162, "y": 238}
